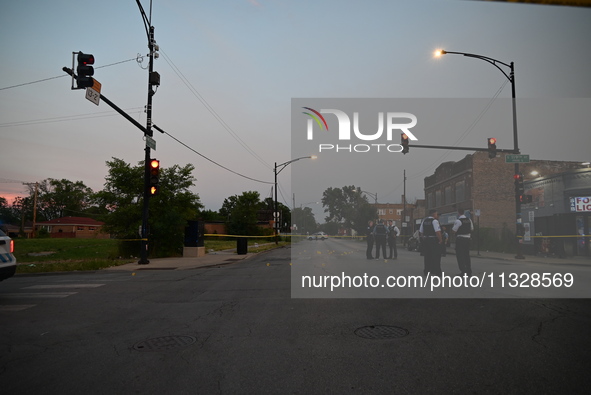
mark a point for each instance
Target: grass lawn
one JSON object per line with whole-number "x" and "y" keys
{"x": 56, "y": 255}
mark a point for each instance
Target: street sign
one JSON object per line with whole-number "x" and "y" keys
{"x": 150, "y": 142}
{"x": 516, "y": 158}
{"x": 93, "y": 96}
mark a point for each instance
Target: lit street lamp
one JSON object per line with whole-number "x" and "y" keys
{"x": 275, "y": 210}
{"x": 511, "y": 78}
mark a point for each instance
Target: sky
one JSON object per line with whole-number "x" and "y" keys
{"x": 230, "y": 69}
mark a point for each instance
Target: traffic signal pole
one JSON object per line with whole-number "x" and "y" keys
{"x": 148, "y": 132}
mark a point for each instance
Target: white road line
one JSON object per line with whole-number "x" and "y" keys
{"x": 55, "y": 286}
{"x": 16, "y": 307}
{"x": 36, "y": 295}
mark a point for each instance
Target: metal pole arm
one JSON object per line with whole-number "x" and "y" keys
{"x": 486, "y": 59}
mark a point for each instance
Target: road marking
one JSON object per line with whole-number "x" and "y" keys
{"x": 55, "y": 286}
{"x": 37, "y": 295}
{"x": 16, "y": 307}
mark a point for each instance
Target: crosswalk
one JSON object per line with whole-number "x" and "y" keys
{"x": 18, "y": 301}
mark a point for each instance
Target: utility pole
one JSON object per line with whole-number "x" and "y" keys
{"x": 153, "y": 80}
{"x": 404, "y": 230}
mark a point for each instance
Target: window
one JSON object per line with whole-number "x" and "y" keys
{"x": 430, "y": 201}
{"x": 459, "y": 191}
{"x": 438, "y": 198}
{"x": 391, "y": 211}
{"x": 381, "y": 211}
{"x": 448, "y": 197}
{"x": 399, "y": 212}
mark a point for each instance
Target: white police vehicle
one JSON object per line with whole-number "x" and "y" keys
{"x": 7, "y": 260}
{"x": 318, "y": 236}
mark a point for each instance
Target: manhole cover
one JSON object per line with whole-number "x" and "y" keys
{"x": 381, "y": 332}
{"x": 164, "y": 343}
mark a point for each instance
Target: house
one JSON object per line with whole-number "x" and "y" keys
{"x": 73, "y": 227}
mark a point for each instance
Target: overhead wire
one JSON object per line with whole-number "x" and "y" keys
{"x": 63, "y": 75}
{"x": 211, "y": 110}
{"x": 209, "y": 159}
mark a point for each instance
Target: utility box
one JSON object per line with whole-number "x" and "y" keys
{"x": 194, "y": 232}
{"x": 242, "y": 246}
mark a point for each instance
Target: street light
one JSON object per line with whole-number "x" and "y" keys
{"x": 275, "y": 212}
{"x": 373, "y": 195}
{"x": 511, "y": 78}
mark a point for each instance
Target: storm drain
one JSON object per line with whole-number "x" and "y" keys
{"x": 164, "y": 343}
{"x": 381, "y": 332}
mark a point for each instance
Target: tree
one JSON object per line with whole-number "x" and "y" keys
{"x": 241, "y": 213}
{"x": 348, "y": 207}
{"x": 284, "y": 213}
{"x": 169, "y": 211}
{"x": 305, "y": 221}
{"x": 60, "y": 198}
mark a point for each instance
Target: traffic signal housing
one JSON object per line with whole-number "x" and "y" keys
{"x": 154, "y": 176}
{"x": 85, "y": 70}
{"x": 404, "y": 143}
{"x": 492, "y": 147}
{"x": 525, "y": 198}
{"x": 519, "y": 188}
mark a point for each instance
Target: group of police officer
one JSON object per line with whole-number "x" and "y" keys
{"x": 432, "y": 242}
{"x": 382, "y": 234}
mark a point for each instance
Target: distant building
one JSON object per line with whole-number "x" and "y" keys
{"x": 395, "y": 212}
{"x": 73, "y": 227}
{"x": 487, "y": 185}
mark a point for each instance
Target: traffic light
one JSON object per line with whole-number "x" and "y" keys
{"x": 519, "y": 188}
{"x": 404, "y": 143}
{"x": 492, "y": 147}
{"x": 154, "y": 176}
{"x": 84, "y": 70}
{"x": 525, "y": 198}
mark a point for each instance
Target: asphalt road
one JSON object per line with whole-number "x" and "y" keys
{"x": 237, "y": 330}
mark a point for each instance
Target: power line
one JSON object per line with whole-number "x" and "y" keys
{"x": 63, "y": 75}
{"x": 65, "y": 118}
{"x": 212, "y": 111}
{"x": 205, "y": 157}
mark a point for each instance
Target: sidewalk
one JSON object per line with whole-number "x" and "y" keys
{"x": 212, "y": 259}
{"x": 576, "y": 260}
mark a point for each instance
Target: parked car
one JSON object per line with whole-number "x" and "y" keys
{"x": 7, "y": 259}
{"x": 317, "y": 236}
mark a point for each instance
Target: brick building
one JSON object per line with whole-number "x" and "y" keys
{"x": 479, "y": 183}
{"x": 73, "y": 227}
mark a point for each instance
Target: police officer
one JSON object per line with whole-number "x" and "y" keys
{"x": 432, "y": 244}
{"x": 369, "y": 239}
{"x": 393, "y": 233}
{"x": 463, "y": 228}
{"x": 380, "y": 233}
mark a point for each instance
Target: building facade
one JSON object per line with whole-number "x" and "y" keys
{"x": 558, "y": 220}
{"x": 73, "y": 227}
{"x": 484, "y": 187}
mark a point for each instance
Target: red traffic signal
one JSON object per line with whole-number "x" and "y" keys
{"x": 84, "y": 70}
{"x": 492, "y": 147}
{"x": 404, "y": 143}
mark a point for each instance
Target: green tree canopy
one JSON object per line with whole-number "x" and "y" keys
{"x": 348, "y": 207}
{"x": 169, "y": 211}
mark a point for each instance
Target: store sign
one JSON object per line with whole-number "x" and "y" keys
{"x": 580, "y": 204}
